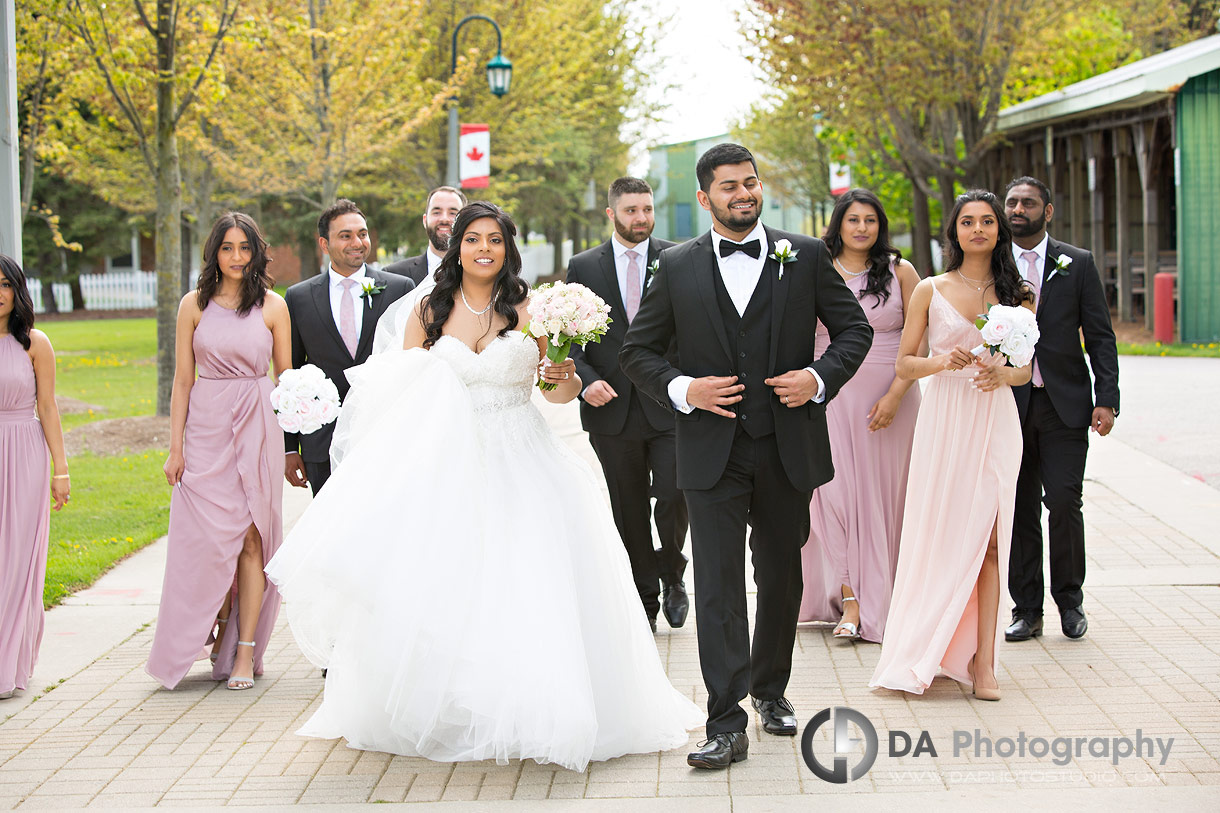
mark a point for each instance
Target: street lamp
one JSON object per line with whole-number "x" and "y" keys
{"x": 499, "y": 77}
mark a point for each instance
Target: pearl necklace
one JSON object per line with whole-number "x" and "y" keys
{"x": 472, "y": 310}
{"x": 852, "y": 274}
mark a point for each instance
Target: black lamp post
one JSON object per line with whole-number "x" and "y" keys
{"x": 499, "y": 77}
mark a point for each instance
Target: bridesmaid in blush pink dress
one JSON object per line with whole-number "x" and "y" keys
{"x": 855, "y": 519}
{"x": 29, "y": 426}
{"x": 953, "y": 557}
{"x": 225, "y": 465}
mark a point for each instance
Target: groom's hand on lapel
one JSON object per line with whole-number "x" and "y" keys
{"x": 713, "y": 393}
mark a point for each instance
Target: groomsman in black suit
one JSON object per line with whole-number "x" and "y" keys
{"x": 633, "y": 436}
{"x": 1057, "y": 410}
{"x": 442, "y": 207}
{"x": 743, "y": 302}
{"x": 333, "y": 318}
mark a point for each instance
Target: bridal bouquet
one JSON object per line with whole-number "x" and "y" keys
{"x": 1010, "y": 330}
{"x": 566, "y": 314}
{"x": 305, "y": 400}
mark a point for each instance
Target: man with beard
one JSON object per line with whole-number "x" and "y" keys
{"x": 743, "y": 303}
{"x": 333, "y": 318}
{"x": 1057, "y": 410}
{"x": 444, "y": 202}
{"x": 632, "y": 436}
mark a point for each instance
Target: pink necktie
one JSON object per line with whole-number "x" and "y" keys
{"x": 1032, "y": 277}
{"x": 347, "y": 317}
{"x": 633, "y": 284}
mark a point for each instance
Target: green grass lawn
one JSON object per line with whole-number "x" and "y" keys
{"x": 119, "y": 503}
{"x": 1209, "y": 350}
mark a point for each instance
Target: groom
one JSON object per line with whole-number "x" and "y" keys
{"x": 750, "y": 402}
{"x": 333, "y": 317}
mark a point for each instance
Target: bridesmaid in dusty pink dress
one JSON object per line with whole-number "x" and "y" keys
{"x": 29, "y": 426}
{"x": 856, "y": 518}
{"x": 225, "y": 464}
{"x": 951, "y": 564}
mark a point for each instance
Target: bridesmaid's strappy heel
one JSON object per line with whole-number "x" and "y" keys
{"x": 239, "y": 683}
{"x": 220, "y": 633}
{"x": 845, "y": 629}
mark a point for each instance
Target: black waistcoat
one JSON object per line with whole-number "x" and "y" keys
{"x": 750, "y": 338}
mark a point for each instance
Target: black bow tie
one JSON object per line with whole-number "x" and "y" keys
{"x": 753, "y": 248}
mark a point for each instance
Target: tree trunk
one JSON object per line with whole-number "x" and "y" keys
{"x": 308, "y": 250}
{"x": 556, "y": 238}
{"x": 78, "y": 296}
{"x": 169, "y": 208}
{"x": 921, "y": 232}
{"x": 945, "y": 183}
{"x": 49, "y": 305}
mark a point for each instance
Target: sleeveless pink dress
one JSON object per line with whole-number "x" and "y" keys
{"x": 856, "y": 518}
{"x": 25, "y": 519}
{"x": 234, "y": 452}
{"x": 963, "y": 481}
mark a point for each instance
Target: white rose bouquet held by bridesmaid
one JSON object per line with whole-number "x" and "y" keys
{"x": 565, "y": 314}
{"x": 1010, "y": 331}
{"x": 305, "y": 400}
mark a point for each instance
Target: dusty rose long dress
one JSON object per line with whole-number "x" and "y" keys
{"x": 963, "y": 482}
{"x": 25, "y": 519}
{"x": 234, "y": 453}
{"x": 856, "y": 518}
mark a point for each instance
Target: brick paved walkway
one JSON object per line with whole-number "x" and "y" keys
{"x": 107, "y": 736}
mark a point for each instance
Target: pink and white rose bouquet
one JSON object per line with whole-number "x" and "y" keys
{"x": 1010, "y": 330}
{"x": 566, "y": 313}
{"x": 305, "y": 400}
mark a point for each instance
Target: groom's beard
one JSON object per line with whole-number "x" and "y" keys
{"x": 736, "y": 220}
{"x": 439, "y": 241}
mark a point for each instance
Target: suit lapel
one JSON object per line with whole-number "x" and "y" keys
{"x": 605, "y": 262}
{"x": 1053, "y": 253}
{"x": 373, "y": 307}
{"x": 654, "y": 252}
{"x": 779, "y": 295}
{"x": 321, "y": 301}
{"x": 705, "y": 268}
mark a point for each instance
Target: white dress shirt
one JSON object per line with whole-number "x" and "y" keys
{"x": 434, "y": 260}
{"x": 621, "y": 262}
{"x": 336, "y": 295}
{"x": 740, "y": 274}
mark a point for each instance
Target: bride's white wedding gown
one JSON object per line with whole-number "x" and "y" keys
{"x": 461, "y": 579}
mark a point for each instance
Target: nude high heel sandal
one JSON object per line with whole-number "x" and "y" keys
{"x": 240, "y": 683}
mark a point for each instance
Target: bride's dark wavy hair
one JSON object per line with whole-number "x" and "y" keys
{"x": 1010, "y": 288}
{"x": 508, "y": 289}
{"x": 880, "y": 256}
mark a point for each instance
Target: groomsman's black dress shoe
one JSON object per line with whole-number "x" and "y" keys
{"x": 1023, "y": 627}
{"x": 720, "y": 751}
{"x": 675, "y": 603}
{"x": 1074, "y": 622}
{"x": 778, "y": 716}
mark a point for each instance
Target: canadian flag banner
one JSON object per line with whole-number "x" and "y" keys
{"x": 474, "y": 151}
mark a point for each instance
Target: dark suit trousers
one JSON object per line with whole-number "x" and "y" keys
{"x": 753, "y": 490}
{"x": 1052, "y": 470}
{"x": 632, "y": 459}
{"x": 317, "y": 474}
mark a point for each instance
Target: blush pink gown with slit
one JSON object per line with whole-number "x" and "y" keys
{"x": 234, "y": 452}
{"x": 963, "y": 481}
{"x": 25, "y": 523}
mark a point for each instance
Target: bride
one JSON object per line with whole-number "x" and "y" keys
{"x": 459, "y": 577}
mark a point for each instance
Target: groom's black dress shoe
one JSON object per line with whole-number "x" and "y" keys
{"x": 1023, "y": 627}
{"x": 1074, "y": 622}
{"x": 675, "y": 603}
{"x": 778, "y": 716}
{"x": 721, "y": 751}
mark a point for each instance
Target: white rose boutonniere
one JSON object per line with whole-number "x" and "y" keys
{"x": 1061, "y": 266}
{"x": 369, "y": 288}
{"x": 783, "y": 255}
{"x": 653, "y": 268}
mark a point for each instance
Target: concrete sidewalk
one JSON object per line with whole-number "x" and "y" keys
{"x": 103, "y": 734}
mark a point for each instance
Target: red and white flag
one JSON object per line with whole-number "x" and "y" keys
{"x": 840, "y": 178}
{"x": 474, "y": 150}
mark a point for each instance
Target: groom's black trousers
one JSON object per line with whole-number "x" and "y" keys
{"x": 753, "y": 489}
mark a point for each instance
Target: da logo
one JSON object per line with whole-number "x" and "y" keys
{"x": 844, "y": 743}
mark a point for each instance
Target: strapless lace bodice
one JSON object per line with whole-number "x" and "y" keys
{"x": 499, "y": 378}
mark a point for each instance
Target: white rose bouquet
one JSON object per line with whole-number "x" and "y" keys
{"x": 1012, "y": 331}
{"x": 566, "y": 314}
{"x": 305, "y": 400}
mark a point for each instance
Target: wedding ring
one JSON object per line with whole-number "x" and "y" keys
{"x": 785, "y": 399}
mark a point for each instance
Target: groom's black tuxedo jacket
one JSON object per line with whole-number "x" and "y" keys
{"x": 1072, "y": 302}
{"x": 416, "y": 268}
{"x": 682, "y": 303}
{"x": 316, "y": 340}
{"x": 596, "y": 361}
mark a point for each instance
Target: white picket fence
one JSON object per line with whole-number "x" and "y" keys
{"x": 121, "y": 290}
